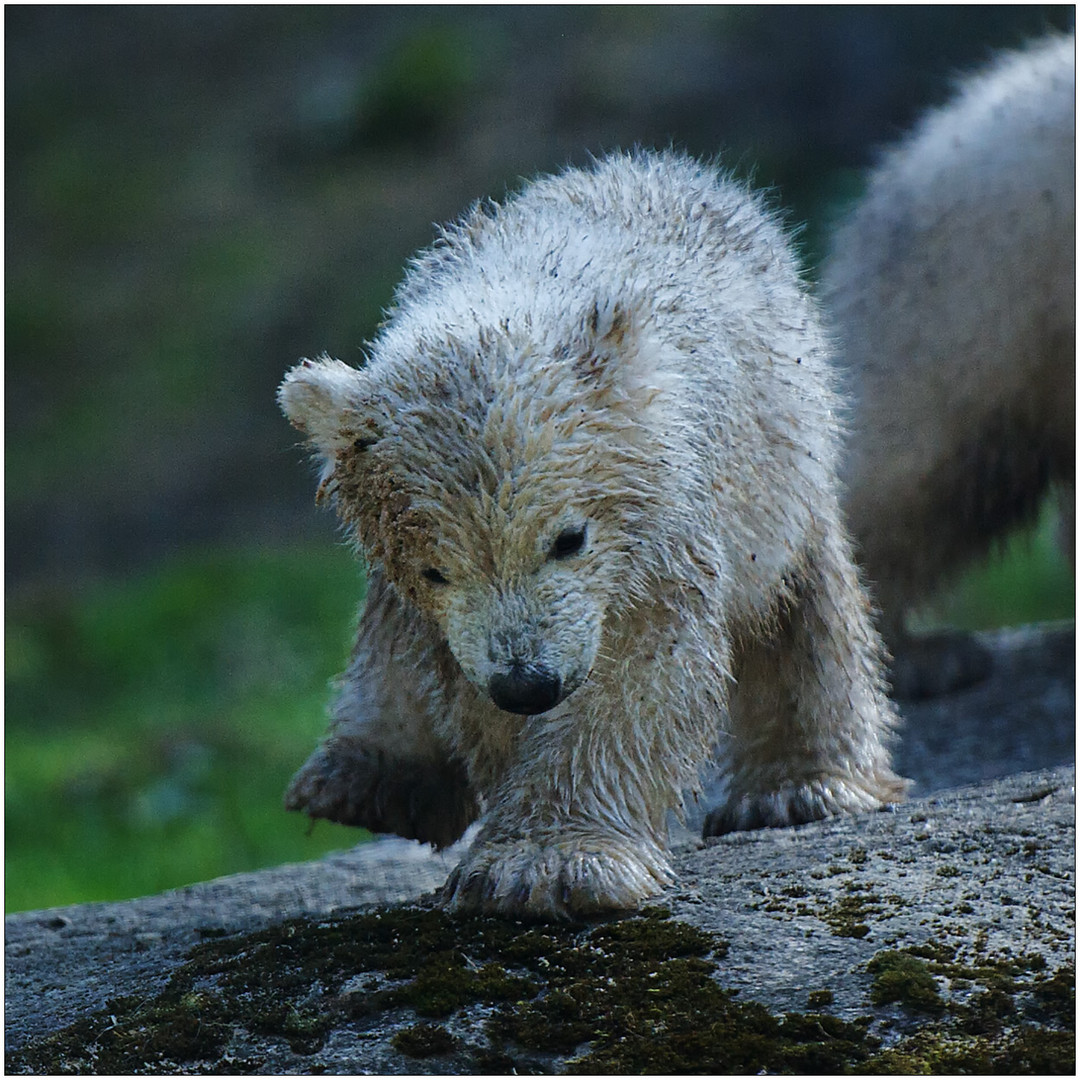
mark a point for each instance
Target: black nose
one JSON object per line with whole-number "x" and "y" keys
{"x": 526, "y": 690}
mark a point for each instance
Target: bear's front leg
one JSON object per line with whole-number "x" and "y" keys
{"x": 810, "y": 722}
{"x": 572, "y": 831}
{"x": 383, "y": 766}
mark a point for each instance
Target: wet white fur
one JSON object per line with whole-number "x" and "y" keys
{"x": 627, "y": 347}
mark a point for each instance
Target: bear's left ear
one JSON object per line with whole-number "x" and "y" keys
{"x": 334, "y": 405}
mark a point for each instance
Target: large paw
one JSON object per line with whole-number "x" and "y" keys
{"x": 581, "y": 877}
{"x": 412, "y": 797}
{"x": 796, "y": 804}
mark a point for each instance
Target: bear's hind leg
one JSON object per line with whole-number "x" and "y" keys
{"x": 810, "y": 722}
{"x": 382, "y": 766}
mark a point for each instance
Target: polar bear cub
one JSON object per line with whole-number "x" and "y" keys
{"x": 591, "y": 464}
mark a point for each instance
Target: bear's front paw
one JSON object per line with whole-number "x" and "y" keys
{"x": 797, "y": 804}
{"x": 583, "y": 877}
{"x": 418, "y": 799}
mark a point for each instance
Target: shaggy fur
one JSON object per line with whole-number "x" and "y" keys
{"x": 952, "y": 287}
{"x": 590, "y": 462}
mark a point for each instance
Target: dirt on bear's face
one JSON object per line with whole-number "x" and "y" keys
{"x": 487, "y": 497}
{"x": 516, "y": 571}
{"x": 529, "y": 637}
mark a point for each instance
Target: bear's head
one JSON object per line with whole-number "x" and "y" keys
{"x": 508, "y": 491}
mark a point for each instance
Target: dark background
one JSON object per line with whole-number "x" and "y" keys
{"x": 198, "y": 196}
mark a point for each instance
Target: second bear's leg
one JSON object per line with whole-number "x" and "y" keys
{"x": 933, "y": 663}
{"x": 382, "y": 766}
{"x": 810, "y": 723}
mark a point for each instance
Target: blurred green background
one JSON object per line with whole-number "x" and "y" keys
{"x": 196, "y": 197}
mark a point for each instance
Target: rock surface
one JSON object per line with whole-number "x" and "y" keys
{"x": 968, "y": 892}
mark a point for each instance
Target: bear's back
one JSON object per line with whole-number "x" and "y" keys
{"x": 690, "y": 251}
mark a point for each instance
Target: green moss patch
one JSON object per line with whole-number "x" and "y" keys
{"x": 1005, "y": 1015}
{"x": 1028, "y": 1052}
{"x": 424, "y": 1040}
{"x": 632, "y": 995}
{"x": 847, "y": 917}
{"x": 906, "y": 979}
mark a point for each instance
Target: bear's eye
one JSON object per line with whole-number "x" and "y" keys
{"x": 436, "y": 577}
{"x": 568, "y": 542}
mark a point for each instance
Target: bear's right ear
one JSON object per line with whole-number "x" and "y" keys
{"x": 333, "y": 405}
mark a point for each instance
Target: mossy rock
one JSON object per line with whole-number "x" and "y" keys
{"x": 471, "y": 995}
